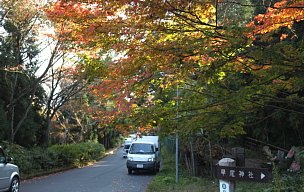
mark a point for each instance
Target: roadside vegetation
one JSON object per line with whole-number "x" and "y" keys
{"x": 39, "y": 161}
{"x": 165, "y": 180}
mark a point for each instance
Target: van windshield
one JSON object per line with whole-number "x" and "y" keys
{"x": 126, "y": 146}
{"x": 141, "y": 148}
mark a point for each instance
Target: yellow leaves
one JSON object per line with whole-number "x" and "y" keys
{"x": 206, "y": 14}
{"x": 221, "y": 75}
{"x": 232, "y": 129}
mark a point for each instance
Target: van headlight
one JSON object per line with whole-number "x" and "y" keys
{"x": 151, "y": 159}
{"x": 130, "y": 158}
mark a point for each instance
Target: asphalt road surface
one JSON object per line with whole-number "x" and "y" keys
{"x": 108, "y": 175}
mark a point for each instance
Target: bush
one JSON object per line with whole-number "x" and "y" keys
{"x": 78, "y": 154}
{"x": 36, "y": 161}
{"x": 287, "y": 181}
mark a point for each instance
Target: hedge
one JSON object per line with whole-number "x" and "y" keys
{"x": 37, "y": 160}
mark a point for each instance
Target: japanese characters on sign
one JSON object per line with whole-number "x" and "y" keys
{"x": 244, "y": 174}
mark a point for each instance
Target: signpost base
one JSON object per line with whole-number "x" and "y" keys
{"x": 225, "y": 185}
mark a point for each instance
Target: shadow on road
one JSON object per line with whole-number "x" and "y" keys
{"x": 141, "y": 173}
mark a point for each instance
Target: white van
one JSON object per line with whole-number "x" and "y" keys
{"x": 126, "y": 145}
{"x": 128, "y": 140}
{"x": 125, "y": 150}
{"x": 143, "y": 154}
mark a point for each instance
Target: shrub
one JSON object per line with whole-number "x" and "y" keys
{"x": 38, "y": 160}
{"x": 78, "y": 154}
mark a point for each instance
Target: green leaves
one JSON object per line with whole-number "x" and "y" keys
{"x": 230, "y": 77}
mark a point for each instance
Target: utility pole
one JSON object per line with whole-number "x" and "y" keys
{"x": 176, "y": 135}
{"x": 177, "y": 103}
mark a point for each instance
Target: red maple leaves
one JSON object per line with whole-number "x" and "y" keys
{"x": 283, "y": 13}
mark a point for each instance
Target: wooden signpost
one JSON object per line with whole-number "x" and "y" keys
{"x": 228, "y": 173}
{"x": 225, "y": 184}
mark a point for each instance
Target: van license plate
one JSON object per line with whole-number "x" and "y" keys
{"x": 140, "y": 166}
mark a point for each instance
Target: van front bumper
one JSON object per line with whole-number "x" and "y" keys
{"x": 147, "y": 165}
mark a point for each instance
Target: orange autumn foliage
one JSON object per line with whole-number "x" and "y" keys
{"x": 282, "y": 14}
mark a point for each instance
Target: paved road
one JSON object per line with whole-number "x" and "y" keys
{"x": 108, "y": 175}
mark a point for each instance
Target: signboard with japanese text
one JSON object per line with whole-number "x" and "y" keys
{"x": 243, "y": 174}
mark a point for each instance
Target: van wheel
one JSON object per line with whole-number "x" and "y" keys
{"x": 129, "y": 171}
{"x": 14, "y": 185}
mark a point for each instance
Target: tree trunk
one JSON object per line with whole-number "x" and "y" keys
{"x": 11, "y": 105}
{"x": 47, "y": 132}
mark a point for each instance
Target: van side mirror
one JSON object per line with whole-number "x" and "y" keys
{"x": 9, "y": 159}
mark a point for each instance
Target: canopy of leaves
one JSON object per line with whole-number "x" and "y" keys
{"x": 230, "y": 77}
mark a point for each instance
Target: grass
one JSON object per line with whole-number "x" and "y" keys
{"x": 165, "y": 181}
